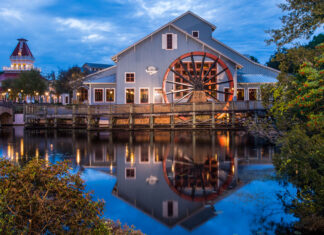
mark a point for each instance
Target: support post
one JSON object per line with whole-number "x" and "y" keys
{"x": 45, "y": 116}
{"x": 88, "y": 118}
{"x": 131, "y": 116}
{"x": 233, "y": 114}
{"x": 172, "y": 116}
{"x": 151, "y": 116}
{"x": 55, "y": 116}
{"x": 73, "y": 116}
{"x": 213, "y": 115}
{"x": 193, "y": 115}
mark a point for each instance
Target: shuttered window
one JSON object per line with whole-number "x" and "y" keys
{"x": 169, "y": 41}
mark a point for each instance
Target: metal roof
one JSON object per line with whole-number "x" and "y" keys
{"x": 99, "y": 66}
{"x": 22, "y": 50}
{"x": 102, "y": 80}
{"x": 255, "y": 78}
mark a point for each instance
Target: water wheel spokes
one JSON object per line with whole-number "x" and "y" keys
{"x": 194, "y": 76}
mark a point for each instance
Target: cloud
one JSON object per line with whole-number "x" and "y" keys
{"x": 92, "y": 38}
{"x": 85, "y": 25}
{"x": 9, "y": 14}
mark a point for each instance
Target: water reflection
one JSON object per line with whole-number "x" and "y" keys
{"x": 174, "y": 177}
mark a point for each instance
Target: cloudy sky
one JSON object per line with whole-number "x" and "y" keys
{"x": 63, "y": 33}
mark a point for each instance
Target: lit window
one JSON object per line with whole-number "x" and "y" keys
{"x": 98, "y": 95}
{"x": 252, "y": 94}
{"x": 195, "y": 34}
{"x": 158, "y": 95}
{"x": 144, "y": 95}
{"x": 130, "y": 96}
{"x": 240, "y": 94}
{"x": 130, "y": 77}
{"x": 110, "y": 95}
{"x": 145, "y": 153}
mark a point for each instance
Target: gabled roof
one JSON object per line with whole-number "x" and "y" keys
{"x": 107, "y": 79}
{"x": 97, "y": 66}
{"x": 22, "y": 49}
{"x": 195, "y": 15}
{"x": 114, "y": 58}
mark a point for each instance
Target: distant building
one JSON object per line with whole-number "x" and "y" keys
{"x": 21, "y": 59}
{"x": 93, "y": 67}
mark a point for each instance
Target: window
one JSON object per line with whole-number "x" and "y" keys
{"x": 240, "y": 94}
{"x": 130, "y": 95}
{"x": 129, "y": 154}
{"x": 158, "y": 95}
{"x": 252, "y": 94}
{"x": 169, "y": 41}
{"x": 170, "y": 209}
{"x": 195, "y": 34}
{"x": 98, "y": 95}
{"x": 66, "y": 99}
{"x": 144, "y": 95}
{"x": 110, "y": 95}
{"x": 130, "y": 77}
{"x": 130, "y": 173}
{"x": 145, "y": 154}
{"x": 226, "y": 96}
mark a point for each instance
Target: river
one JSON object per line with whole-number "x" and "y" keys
{"x": 163, "y": 182}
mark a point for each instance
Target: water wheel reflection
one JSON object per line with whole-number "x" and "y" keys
{"x": 198, "y": 180}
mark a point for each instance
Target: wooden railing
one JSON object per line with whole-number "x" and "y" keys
{"x": 141, "y": 109}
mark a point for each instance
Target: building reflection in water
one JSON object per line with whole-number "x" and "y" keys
{"x": 174, "y": 177}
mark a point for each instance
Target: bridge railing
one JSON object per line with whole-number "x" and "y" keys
{"x": 50, "y": 110}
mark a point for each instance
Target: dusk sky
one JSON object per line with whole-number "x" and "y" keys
{"x": 63, "y": 33}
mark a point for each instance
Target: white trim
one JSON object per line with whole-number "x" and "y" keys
{"x": 148, "y": 152}
{"x": 148, "y": 98}
{"x": 193, "y": 31}
{"x": 130, "y": 168}
{"x": 130, "y": 73}
{"x": 106, "y": 95}
{"x": 94, "y": 97}
{"x": 125, "y": 94}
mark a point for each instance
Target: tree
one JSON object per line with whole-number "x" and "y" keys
{"x": 28, "y": 83}
{"x": 298, "y": 114}
{"x": 289, "y": 60}
{"x": 66, "y": 78}
{"x": 302, "y": 18}
{"x": 45, "y": 198}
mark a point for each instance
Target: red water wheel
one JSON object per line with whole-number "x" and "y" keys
{"x": 197, "y": 71}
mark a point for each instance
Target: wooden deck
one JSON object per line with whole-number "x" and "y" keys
{"x": 129, "y": 116}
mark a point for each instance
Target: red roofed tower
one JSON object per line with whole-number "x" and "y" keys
{"x": 21, "y": 60}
